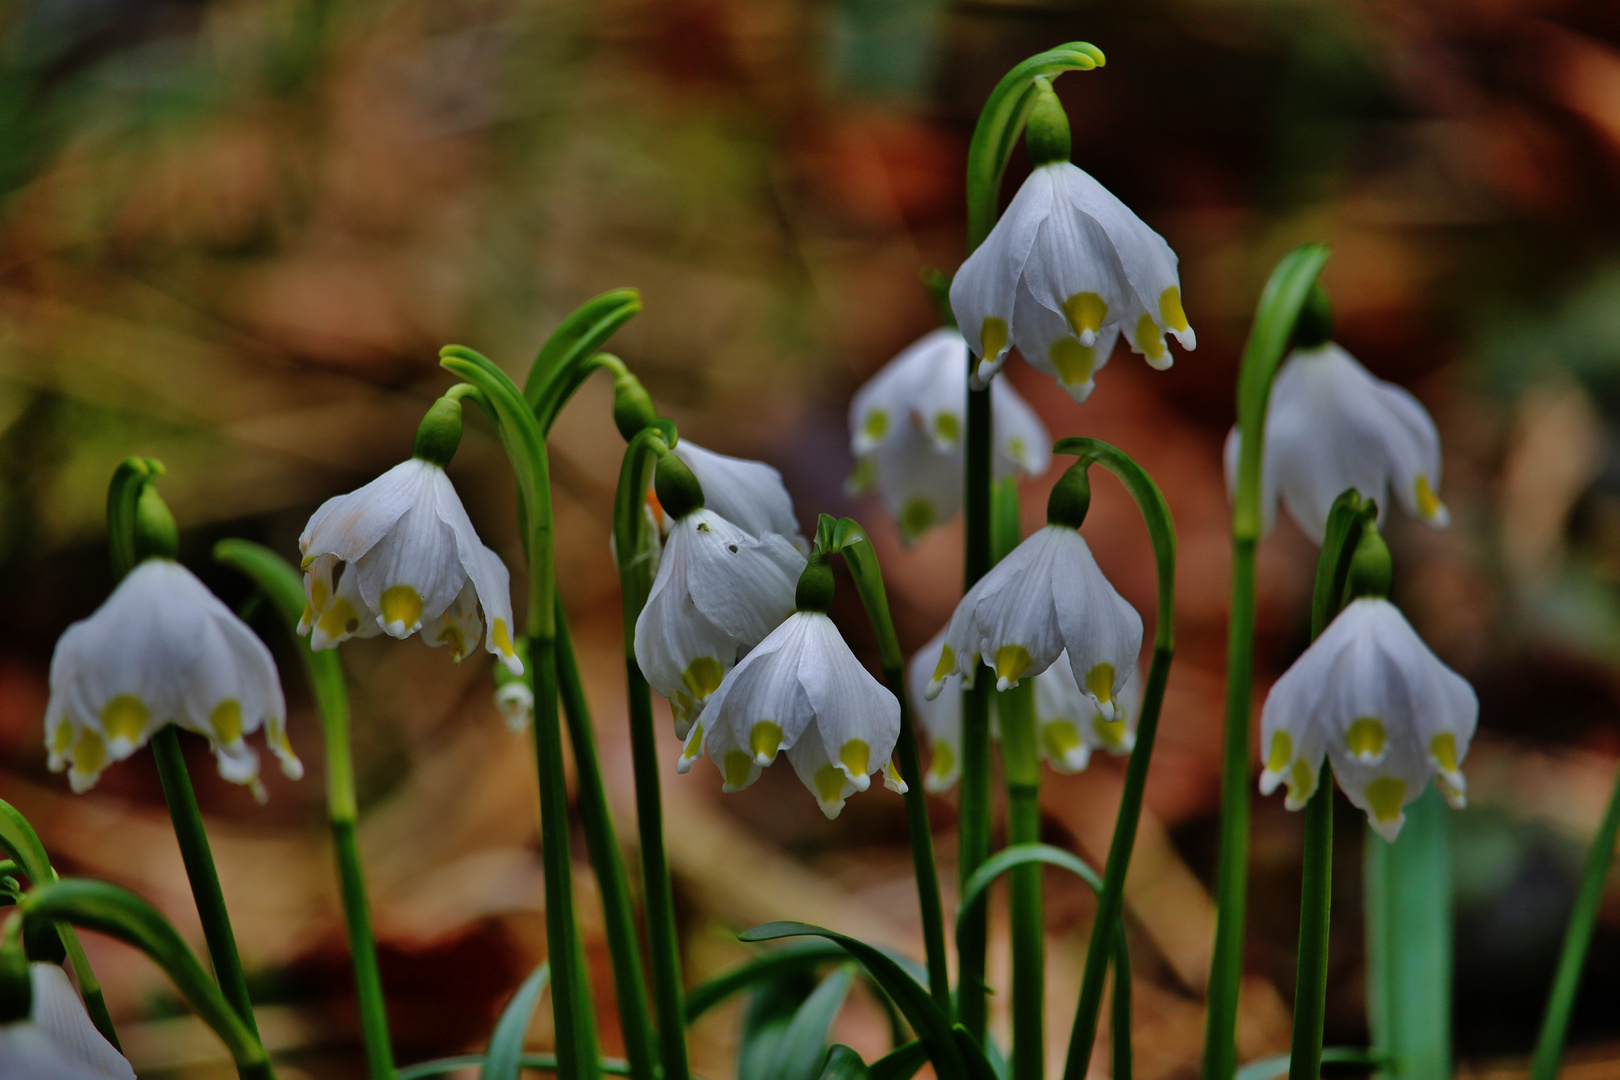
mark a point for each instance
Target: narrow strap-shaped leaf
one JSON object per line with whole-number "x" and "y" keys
{"x": 504, "y": 1057}
{"x": 544, "y": 1062}
{"x": 926, "y": 1018}
{"x": 979, "y": 1066}
{"x": 798, "y": 957}
{"x": 844, "y": 1064}
{"x": 803, "y": 1045}
{"x": 585, "y": 330}
{"x": 1270, "y": 1068}
{"x": 901, "y": 1063}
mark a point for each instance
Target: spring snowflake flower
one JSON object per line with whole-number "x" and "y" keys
{"x": 400, "y": 556}
{"x": 162, "y": 649}
{"x": 1071, "y": 724}
{"x": 801, "y": 691}
{"x": 940, "y": 716}
{"x": 1330, "y": 426}
{"x": 719, "y": 591}
{"x": 1065, "y": 270}
{"x": 906, "y": 429}
{"x": 1387, "y": 713}
{"x": 749, "y": 494}
{"x": 56, "y": 1040}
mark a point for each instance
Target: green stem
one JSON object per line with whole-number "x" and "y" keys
{"x": 1315, "y": 908}
{"x": 1111, "y": 902}
{"x": 973, "y": 827}
{"x": 1280, "y": 303}
{"x": 603, "y": 844}
{"x": 633, "y": 546}
{"x": 199, "y": 862}
{"x": 1577, "y": 939}
{"x": 1122, "y": 1009}
{"x": 849, "y": 539}
{"x": 1021, "y": 761}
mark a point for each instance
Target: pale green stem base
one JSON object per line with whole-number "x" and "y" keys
{"x": 1021, "y": 761}
{"x": 1315, "y": 910}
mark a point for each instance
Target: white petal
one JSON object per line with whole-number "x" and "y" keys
{"x": 348, "y": 615}
{"x": 1050, "y": 345}
{"x": 983, "y": 291}
{"x": 683, "y": 654}
{"x": 749, "y": 494}
{"x": 27, "y": 1053}
{"x": 349, "y": 525}
{"x": 458, "y": 625}
{"x": 1074, "y": 255}
{"x": 941, "y": 717}
{"x": 415, "y": 571}
{"x": 741, "y": 584}
{"x": 920, "y": 485}
{"x": 925, "y": 385}
{"x": 824, "y": 779}
{"x": 487, "y": 573}
{"x": 763, "y": 688}
{"x": 61, "y": 1016}
{"x": 1101, "y": 631}
{"x": 857, "y": 718}
{"x": 515, "y": 700}
{"x": 1022, "y": 442}
{"x": 1014, "y": 618}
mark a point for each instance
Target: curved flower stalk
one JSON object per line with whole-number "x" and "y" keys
{"x": 801, "y": 691}
{"x": 161, "y": 650}
{"x": 906, "y": 432}
{"x": 50, "y": 1037}
{"x": 719, "y": 591}
{"x": 1331, "y": 425}
{"x": 1066, "y": 270}
{"x": 749, "y": 494}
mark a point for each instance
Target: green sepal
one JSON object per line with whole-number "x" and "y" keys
{"x": 1071, "y": 498}
{"x": 439, "y": 433}
{"x": 1046, "y": 134}
{"x": 1370, "y": 566}
{"x": 817, "y": 585}
{"x": 677, "y": 487}
{"x": 504, "y": 1058}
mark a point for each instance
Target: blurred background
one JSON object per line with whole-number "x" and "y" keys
{"x": 234, "y": 234}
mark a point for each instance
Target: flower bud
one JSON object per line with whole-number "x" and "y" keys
{"x": 633, "y": 407}
{"x": 439, "y": 433}
{"x": 1046, "y": 137}
{"x": 678, "y": 490}
{"x": 1070, "y": 499}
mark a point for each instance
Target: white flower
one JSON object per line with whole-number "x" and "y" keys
{"x": 1071, "y": 725}
{"x": 1066, "y": 267}
{"x": 907, "y": 426}
{"x": 941, "y": 716}
{"x": 57, "y": 1041}
{"x": 719, "y": 591}
{"x": 516, "y": 704}
{"x": 399, "y": 556}
{"x": 1385, "y": 710}
{"x": 749, "y": 494}
{"x": 162, "y": 649}
{"x": 1045, "y": 597}
{"x": 1331, "y": 425}
{"x": 801, "y": 690}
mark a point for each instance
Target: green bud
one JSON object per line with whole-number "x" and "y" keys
{"x": 816, "y": 585}
{"x": 1314, "y": 327}
{"x": 16, "y": 985}
{"x": 1370, "y": 567}
{"x": 1070, "y": 498}
{"x": 439, "y": 433}
{"x": 1046, "y": 136}
{"x": 42, "y": 943}
{"x": 678, "y": 490}
{"x": 156, "y": 534}
{"x": 633, "y": 408}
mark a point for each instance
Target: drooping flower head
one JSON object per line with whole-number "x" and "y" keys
{"x": 802, "y": 691}
{"x": 45, "y": 1032}
{"x": 1330, "y": 426}
{"x": 906, "y": 430}
{"x": 749, "y": 494}
{"x": 940, "y": 716}
{"x": 1046, "y": 597}
{"x": 161, "y": 650}
{"x": 400, "y": 556}
{"x": 719, "y": 591}
{"x": 1066, "y": 269}
{"x": 1071, "y": 724}
{"x": 1370, "y": 696}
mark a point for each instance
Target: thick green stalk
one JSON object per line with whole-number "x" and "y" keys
{"x": 1122, "y": 1009}
{"x": 633, "y": 547}
{"x": 850, "y": 539}
{"x": 973, "y": 827}
{"x": 1021, "y": 764}
{"x": 199, "y": 862}
{"x": 1315, "y": 908}
{"x": 603, "y": 844}
{"x": 1283, "y": 298}
{"x": 1577, "y": 939}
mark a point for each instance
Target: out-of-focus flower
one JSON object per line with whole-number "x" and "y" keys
{"x": 162, "y": 649}
{"x": 400, "y": 556}
{"x": 1072, "y": 725}
{"x": 749, "y": 494}
{"x": 1047, "y": 596}
{"x": 941, "y": 716}
{"x": 906, "y": 428}
{"x": 1330, "y": 426}
{"x": 515, "y": 701}
{"x": 801, "y": 690}
{"x": 719, "y": 591}
{"x": 1386, "y": 712}
{"x": 56, "y": 1040}
{"x": 1066, "y": 267}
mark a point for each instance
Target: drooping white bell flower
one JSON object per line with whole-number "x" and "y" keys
{"x": 1387, "y": 713}
{"x": 941, "y": 716}
{"x": 1330, "y": 426}
{"x": 719, "y": 591}
{"x": 1066, "y": 267}
{"x": 163, "y": 649}
{"x": 1047, "y": 596}
{"x": 57, "y": 1041}
{"x": 907, "y": 426}
{"x": 1070, "y": 723}
{"x": 749, "y": 494}
{"x": 802, "y": 691}
{"x": 400, "y": 556}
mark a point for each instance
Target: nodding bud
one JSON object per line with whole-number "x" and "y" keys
{"x": 1070, "y": 498}
{"x": 632, "y": 406}
{"x": 42, "y": 943}
{"x": 439, "y": 433}
{"x": 1046, "y": 135}
{"x": 156, "y": 534}
{"x": 816, "y": 585}
{"x": 1370, "y": 567}
{"x": 679, "y": 492}
{"x": 1314, "y": 327}
{"x": 16, "y": 985}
